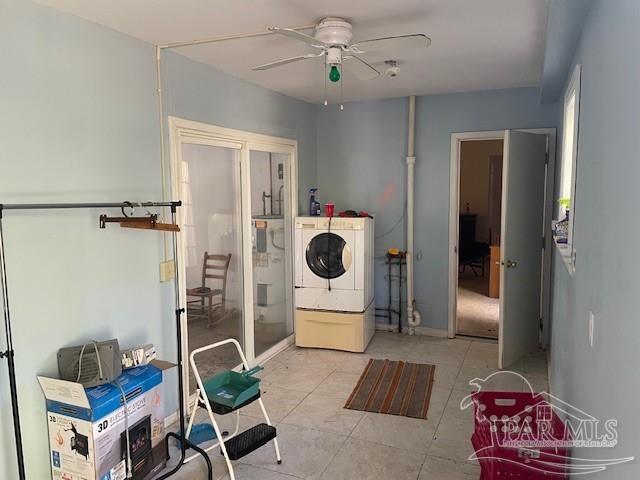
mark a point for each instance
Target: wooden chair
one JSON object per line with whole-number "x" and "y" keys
{"x": 214, "y": 267}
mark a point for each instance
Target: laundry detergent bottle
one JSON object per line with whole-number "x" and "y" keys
{"x": 314, "y": 204}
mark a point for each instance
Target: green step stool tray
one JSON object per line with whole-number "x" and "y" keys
{"x": 229, "y": 390}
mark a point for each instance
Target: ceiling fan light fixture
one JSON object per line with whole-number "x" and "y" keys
{"x": 332, "y": 41}
{"x": 334, "y": 31}
{"x": 334, "y": 74}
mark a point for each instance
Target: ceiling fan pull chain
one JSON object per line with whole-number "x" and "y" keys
{"x": 326, "y": 102}
{"x": 341, "y": 83}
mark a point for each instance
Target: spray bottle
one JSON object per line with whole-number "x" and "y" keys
{"x": 314, "y": 204}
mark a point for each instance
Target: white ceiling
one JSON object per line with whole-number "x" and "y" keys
{"x": 477, "y": 44}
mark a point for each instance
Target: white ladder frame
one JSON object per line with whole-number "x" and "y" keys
{"x": 201, "y": 396}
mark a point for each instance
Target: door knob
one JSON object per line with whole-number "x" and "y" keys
{"x": 511, "y": 264}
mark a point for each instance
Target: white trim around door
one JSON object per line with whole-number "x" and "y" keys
{"x": 183, "y": 131}
{"x": 454, "y": 207}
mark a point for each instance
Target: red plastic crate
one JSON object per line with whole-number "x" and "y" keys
{"x": 499, "y": 413}
{"x": 506, "y": 462}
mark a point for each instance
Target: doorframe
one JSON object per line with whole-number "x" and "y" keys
{"x": 454, "y": 207}
{"x": 182, "y": 131}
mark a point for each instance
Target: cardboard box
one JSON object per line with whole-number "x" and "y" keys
{"x": 87, "y": 426}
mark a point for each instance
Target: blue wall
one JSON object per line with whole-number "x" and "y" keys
{"x": 564, "y": 28}
{"x": 79, "y": 123}
{"x": 361, "y": 165}
{"x": 82, "y": 125}
{"x": 603, "y": 380}
{"x": 199, "y": 92}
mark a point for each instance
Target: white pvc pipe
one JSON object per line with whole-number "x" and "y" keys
{"x": 413, "y": 315}
{"x": 189, "y": 43}
{"x": 163, "y": 174}
{"x": 262, "y": 33}
{"x": 411, "y": 140}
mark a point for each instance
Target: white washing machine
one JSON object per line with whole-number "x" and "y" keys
{"x": 334, "y": 263}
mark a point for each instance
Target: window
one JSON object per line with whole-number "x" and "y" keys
{"x": 566, "y": 199}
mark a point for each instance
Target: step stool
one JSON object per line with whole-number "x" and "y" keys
{"x": 228, "y": 392}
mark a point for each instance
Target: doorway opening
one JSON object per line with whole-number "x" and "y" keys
{"x": 479, "y": 234}
{"x": 523, "y": 260}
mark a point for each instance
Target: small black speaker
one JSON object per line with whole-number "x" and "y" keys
{"x": 96, "y": 357}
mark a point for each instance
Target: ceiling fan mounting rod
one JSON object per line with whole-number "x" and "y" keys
{"x": 239, "y": 36}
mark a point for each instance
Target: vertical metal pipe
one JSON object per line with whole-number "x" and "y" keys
{"x": 271, "y": 183}
{"x": 16, "y": 415}
{"x": 179, "y": 310}
{"x": 280, "y": 200}
{"x": 9, "y": 354}
{"x": 184, "y": 442}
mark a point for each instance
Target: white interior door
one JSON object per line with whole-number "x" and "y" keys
{"x": 521, "y": 253}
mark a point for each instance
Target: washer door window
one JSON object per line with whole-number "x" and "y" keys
{"x": 328, "y": 256}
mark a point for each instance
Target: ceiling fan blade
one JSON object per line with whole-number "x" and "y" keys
{"x": 296, "y": 35}
{"x": 360, "y": 69}
{"x": 398, "y": 43}
{"x": 284, "y": 61}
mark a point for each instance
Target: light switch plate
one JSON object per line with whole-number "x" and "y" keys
{"x": 167, "y": 271}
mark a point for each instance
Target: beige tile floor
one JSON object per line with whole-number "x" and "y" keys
{"x": 304, "y": 391}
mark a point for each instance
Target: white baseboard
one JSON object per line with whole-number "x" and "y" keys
{"x": 432, "y": 332}
{"x": 385, "y": 327}
{"x": 171, "y": 419}
{"x": 428, "y": 331}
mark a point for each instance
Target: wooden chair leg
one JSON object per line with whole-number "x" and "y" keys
{"x": 209, "y": 311}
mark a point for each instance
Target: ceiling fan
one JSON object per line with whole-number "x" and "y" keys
{"x": 332, "y": 40}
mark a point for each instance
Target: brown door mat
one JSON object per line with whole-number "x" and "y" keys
{"x": 393, "y": 387}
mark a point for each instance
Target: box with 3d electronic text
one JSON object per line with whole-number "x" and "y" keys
{"x": 87, "y": 426}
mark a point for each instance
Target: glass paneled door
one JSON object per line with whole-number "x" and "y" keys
{"x": 272, "y": 243}
{"x": 239, "y": 197}
{"x": 211, "y": 221}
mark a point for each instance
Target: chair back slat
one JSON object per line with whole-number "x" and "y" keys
{"x": 218, "y": 263}
{"x": 221, "y": 258}
{"x": 215, "y": 267}
{"x": 219, "y": 277}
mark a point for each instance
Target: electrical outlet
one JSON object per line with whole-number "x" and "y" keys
{"x": 592, "y": 320}
{"x": 167, "y": 271}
